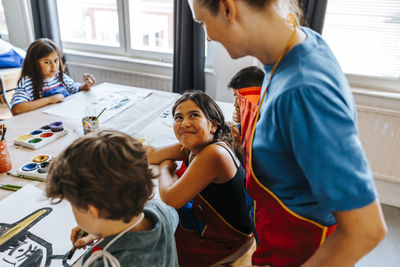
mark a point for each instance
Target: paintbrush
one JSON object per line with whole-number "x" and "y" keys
{"x": 4, "y": 133}
{"x": 25, "y": 177}
{"x": 10, "y": 187}
{"x": 100, "y": 114}
{"x": 71, "y": 253}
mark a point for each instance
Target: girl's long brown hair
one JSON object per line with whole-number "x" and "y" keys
{"x": 40, "y": 48}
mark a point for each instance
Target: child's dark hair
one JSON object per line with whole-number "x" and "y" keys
{"x": 40, "y": 48}
{"x": 211, "y": 110}
{"x": 247, "y": 77}
{"x": 108, "y": 170}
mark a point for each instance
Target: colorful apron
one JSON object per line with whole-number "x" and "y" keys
{"x": 287, "y": 239}
{"x": 247, "y": 99}
{"x": 208, "y": 239}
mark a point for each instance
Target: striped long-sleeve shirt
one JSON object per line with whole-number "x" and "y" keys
{"x": 51, "y": 86}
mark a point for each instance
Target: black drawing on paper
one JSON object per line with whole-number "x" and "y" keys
{"x": 113, "y": 101}
{"x": 20, "y": 248}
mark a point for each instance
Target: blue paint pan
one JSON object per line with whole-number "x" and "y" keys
{"x": 29, "y": 167}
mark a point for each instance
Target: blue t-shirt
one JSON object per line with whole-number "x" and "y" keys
{"x": 306, "y": 148}
{"x": 51, "y": 86}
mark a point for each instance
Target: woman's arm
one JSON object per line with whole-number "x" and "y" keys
{"x": 358, "y": 232}
{"x": 38, "y": 103}
{"x": 212, "y": 164}
{"x": 156, "y": 155}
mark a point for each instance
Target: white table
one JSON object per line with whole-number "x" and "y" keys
{"x": 140, "y": 120}
{"x": 131, "y": 120}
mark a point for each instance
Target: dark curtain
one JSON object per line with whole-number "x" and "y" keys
{"x": 189, "y": 50}
{"x": 314, "y": 13}
{"x": 45, "y": 20}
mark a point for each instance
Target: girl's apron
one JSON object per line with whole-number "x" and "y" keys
{"x": 287, "y": 239}
{"x": 247, "y": 99}
{"x": 204, "y": 237}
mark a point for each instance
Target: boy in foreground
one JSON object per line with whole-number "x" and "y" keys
{"x": 106, "y": 178}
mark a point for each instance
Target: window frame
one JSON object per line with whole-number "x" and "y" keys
{"x": 124, "y": 48}
{"x": 371, "y": 82}
{"x": 374, "y": 83}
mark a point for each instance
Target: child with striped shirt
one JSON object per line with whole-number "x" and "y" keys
{"x": 43, "y": 81}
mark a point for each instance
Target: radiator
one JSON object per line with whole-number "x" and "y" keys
{"x": 380, "y": 135}
{"x": 126, "y": 77}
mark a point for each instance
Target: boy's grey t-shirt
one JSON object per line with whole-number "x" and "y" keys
{"x": 155, "y": 247}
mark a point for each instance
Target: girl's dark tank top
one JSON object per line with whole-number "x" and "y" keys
{"x": 229, "y": 199}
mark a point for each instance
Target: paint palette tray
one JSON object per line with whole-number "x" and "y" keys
{"x": 42, "y": 136}
{"x": 37, "y": 167}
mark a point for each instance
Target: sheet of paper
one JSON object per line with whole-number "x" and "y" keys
{"x": 115, "y": 98}
{"x": 41, "y": 230}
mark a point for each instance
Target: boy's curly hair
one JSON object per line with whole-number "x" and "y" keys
{"x": 108, "y": 170}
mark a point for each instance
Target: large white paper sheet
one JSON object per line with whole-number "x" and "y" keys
{"x": 115, "y": 98}
{"x": 43, "y": 242}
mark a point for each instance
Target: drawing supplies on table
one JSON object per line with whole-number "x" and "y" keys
{"x": 3, "y": 130}
{"x": 166, "y": 117}
{"x": 10, "y": 187}
{"x": 42, "y": 136}
{"x": 37, "y": 167}
{"x": 80, "y": 235}
{"x": 14, "y": 174}
{"x": 5, "y": 159}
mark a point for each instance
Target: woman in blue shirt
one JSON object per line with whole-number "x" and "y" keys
{"x": 309, "y": 176}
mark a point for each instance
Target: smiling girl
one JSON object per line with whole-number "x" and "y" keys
{"x": 214, "y": 221}
{"x": 43, "y": 81}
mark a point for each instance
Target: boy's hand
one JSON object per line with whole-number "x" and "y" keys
{"x": 82, "y": 242}
{"x": 56, "y": 98}
{"x": 88, "y": 82}
{"x": 236, "y": 136}
{"x": 169, "y": 164}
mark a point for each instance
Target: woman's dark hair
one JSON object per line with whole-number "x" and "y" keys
{"x": 38, "y": 49}
{"x": 213, "y": 5}
{"x": 293, "y": 6}
{"x": 212, "y": 112}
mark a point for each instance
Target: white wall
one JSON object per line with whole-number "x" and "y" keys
{"x": 19, "y": 22}
{"x": 224, "y": 68}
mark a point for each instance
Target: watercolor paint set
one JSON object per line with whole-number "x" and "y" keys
{"x": 42, "y": 136}
{"x": 37, "y": 167}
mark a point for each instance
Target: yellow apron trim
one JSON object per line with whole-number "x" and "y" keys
{"x": 288, "y": 46}
{"x": 204, "y": 230}
{"x": 323, "y": 237}
{"x": 233, "y": 228}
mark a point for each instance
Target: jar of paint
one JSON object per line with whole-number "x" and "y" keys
{"x": 90, "y": 124}
{"x": 5, "y": 160}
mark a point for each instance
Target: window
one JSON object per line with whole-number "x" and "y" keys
{"x": 365, "y": 37}
{"x": 3, "y": 24}
{"x": 138, "y": 28}
{"x": 151, "y": 25}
